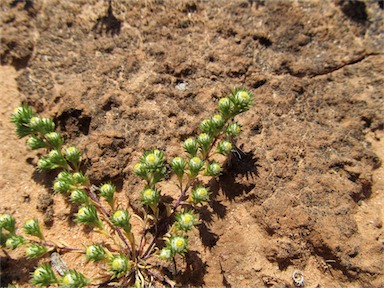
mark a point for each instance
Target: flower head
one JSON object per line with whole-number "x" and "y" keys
{"x": 87, "y": 214}
{"x": 121, "y": 219}
{"x": 150, "y": 196}
{"x": 213, "y": 169}
{"x": 224, "y": 147}
{"x": 32, "y": 227}
{"x": 241, "y": 99}
{"x": 74, "y": 279}
{"x": 35, "y": 250}
{"x": 8, "y": 222}
{"x": 54, "y": 139}
{"x": 200, "y": 194}
{"x": 43, "y": 276}
{"x": 195, "y": 166}
{"x": 95, "y": 253}
{"x": 108, "y": 191}
{"x": 178, "y": 244}
{"x": 14, "y": 241}
{"x": 165, "y": 254}
{"x": 178, "y": 166}
{"x": 233, "y": 129}
{"x": 79, "y": 196}
{"x": 225, "y": 107}
{"x": 190, "y": 146}
{"x": 119, "y": 265}
{"x": 35, "y": 142}
{"x": 73, "y": 155}
{"x": 185, "y": 221}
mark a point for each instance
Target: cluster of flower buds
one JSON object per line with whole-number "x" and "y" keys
{"x": 44, "y": 276}
{"x": 239, "y": 101}
{"x": 67, "y": 182}
{"x": 9, "y": 239}
{"x": 151, "y": 167}
{"x": 41, "y": 132}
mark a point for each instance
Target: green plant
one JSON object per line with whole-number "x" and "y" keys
{"x": 131, "y": 260}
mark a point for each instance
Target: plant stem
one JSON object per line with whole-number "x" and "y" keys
{"x": 92, "y": 195}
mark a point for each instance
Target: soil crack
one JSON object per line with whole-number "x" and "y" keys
{"x": 341, "y": 66}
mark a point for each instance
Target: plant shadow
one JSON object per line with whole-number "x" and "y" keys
{"x": 108, "y": 23}
{"x": 239, "y": 164}
{"x": 193, "y": 275}
{"x": 8, "y": 273}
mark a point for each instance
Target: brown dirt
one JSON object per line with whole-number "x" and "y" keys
{"x": 308, "y": 193}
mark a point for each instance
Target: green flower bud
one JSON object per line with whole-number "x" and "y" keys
{"x": 35, "y": 142}
{"x": 150, "y": 196}
{"x": 55, "y": 140}
{"x": 119, "y": 266}
{"x": 195, "y": 166}
{"x": 88, "y": 215}
{"x": 241, "y": 99}
{"x": 14, "y": 241}
{"x": 206, "y": 126}
{"x": 43, "y": 276}
{"x": 242, "y": 96}
{"x": 61, "y": 186}
{"x": 79, "y": 179}
{"x": 213, "y": 169}
{"x": 54, "y": 160}
{"x": 45, "y": 164}
{"x": 153, "y": 159}
{"x": 8, "y": 222}
{"x": 178, "y": 165}
{"x": 35, "y": 251}
{"x": 217, "y": 121}
{"x": 95, "y": 253}
{"x": 204, "y": 140}
{"x": 73, "y": 155}
{"x": 65, "y": 176}
{"x": 32, "y": 227}
{"x": 233, "y": 129}
{"x": 190, "y": 146}
{"x": 185, "y": 221}
{"x": 57, "y": 158}
{"x": 178, "y": 244}
{"x": 21, "y": 117}
{"x": 79, "y": 196}
{"x": 108, "y": 191}
{"x": 224, "y": 147}
{"x": 165, "y": 254}
{"x": 41, "y": 125}
{"x": 121, "y": 219}
{"x": 141, "y": 170}
{"x": 200, "y": 194}
{"x": 64, "y": 182}
{"x": 74, "y": 279}
{"x": 225, "y": 107}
